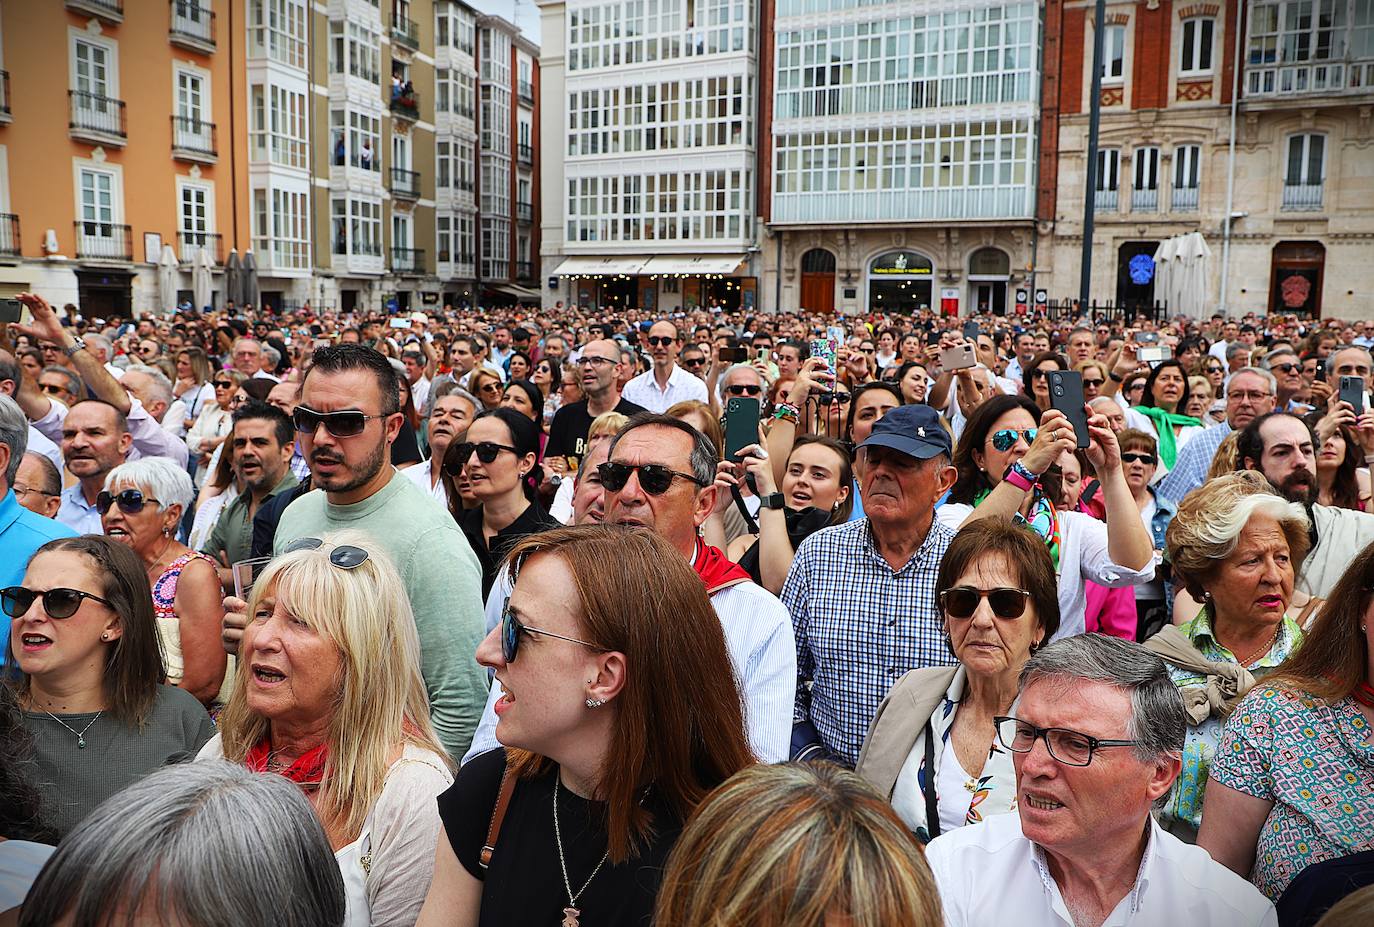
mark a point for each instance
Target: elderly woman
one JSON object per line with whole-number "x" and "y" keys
{"x": 163, "y": 843}
{"x": 931, "y": 748}
{"x": 141, "y": 507}
{"x": 1235, "y": 546}
{"x": 91, "y": 677}
{"x": 1200, "y": 398}
{"x": 589, "y": 660}
{"x": 330, "y": 696}
{"x": 1292, "y": 780}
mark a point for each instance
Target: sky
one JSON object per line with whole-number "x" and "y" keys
{"x": 521, "y": 12}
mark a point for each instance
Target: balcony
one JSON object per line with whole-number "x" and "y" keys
{"x": 193, "y": 26}
{"x": 526, "y": 92}
{"x": 1144, "y": 201}
{"x": 1308, "y": 79}
{"x": 104, "y": 241}
{"x": 524, "y": 152}
{"x": 407, "y": 260}
{"x": 1105, "y": 201}
{"x": 1302, "y": 197}
{"x": 111, "y": 11}
{"x": 405, "y": 184}
{"x": 524, "y": 212}
{"x": 1185, "y": 199}
{"x": 96, "y": 119}
{"x": 194, "y": 140}
{"x": 405, "y": 105}
{"x": 524, "y": 270}
{"x": 5, "y": 116}
{"x": 9, "y": 235}
{"x": 192, "y": 243}
{"x": 405, "y": 33}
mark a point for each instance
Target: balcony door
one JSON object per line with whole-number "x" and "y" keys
{"x": 92, "y": 76}
{"x": 97, "y": 204}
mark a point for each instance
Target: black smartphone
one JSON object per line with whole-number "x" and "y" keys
{"x": 1352, "y": 391}
{"x": 971, "y": 330}
{"x": 10, "y": 310}
{"x": 1321, "y": 371}
{"x": 1066, "y": 395}
{"x": 734, "y": 355}
{"x": 741, "y": 425}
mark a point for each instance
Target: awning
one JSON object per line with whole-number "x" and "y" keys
{"x": 725, "y": 264}
{"x": 592, "y": 265}
{"x": 519, "y": 292}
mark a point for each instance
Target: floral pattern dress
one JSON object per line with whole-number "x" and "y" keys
{"x": 1315, "y": 762}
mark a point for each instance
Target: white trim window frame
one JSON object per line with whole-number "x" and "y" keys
{"x": 195, "y": 217}
{"x": 1197, "y": 46}
{"x": 96, "y": 70}
{"x": 99, "y": 191}
{"x": 1114, "y": 55}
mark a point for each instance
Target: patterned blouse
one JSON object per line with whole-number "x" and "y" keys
{"x": 1315, "y": 762}
{"x": 1184, "y": 803}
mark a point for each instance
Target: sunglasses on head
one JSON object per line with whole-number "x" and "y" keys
{"x": 130, "y": 501}
{"x": 743, "y": 389}
{"x": 654, "y": 479}
{"x": 487, "y": 452}
{"x": 1005, "y": 439}
{"x": 344, "y": 556}
{"x": 511, "y": 629}
{"x": 962, "y": 601}
{"x": 339, "y": 424}
{"x": 660, "y": 341}
{"x": 58, "y": 603}
{"x": 1146, "y": 459}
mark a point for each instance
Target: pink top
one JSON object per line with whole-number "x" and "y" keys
{"x": 165, "y": 589}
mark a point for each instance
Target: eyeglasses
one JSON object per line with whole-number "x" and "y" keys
{"x": 1285, "y": 368}
{"x": 130, "y": 501}
{"x": 487, "y": 452}
{"x": 511, "y": 629}
{"x": 1068, "y": 747}
{"x": 490, "y": 388}
{"x": 1038, "y": 374}
{"x": 1146, "y": 459}
{"x": 659, "y": 341}
{"x": 693, "y": 361}
{"x": 962, "y": 601}
{"x": 1247, "y": 395}
{"x": 743, "y": 389}
{"x": 58, "y": 603}
{"x": 22, "y": 488}
{"x": 595, "y": 361}
{"x": 1004, "y": 439}
{"x": 339, "y": 424}
{"x": 344, "y": 556}
{"x": 653, "y": 478}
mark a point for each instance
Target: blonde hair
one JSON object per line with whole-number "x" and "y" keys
{"x": 1224, "y": 460}
{"x": 1354, "y": 910}
{"x": 1198, "y": 385}
{"x": 606, "y": 425}
{"x": 804, "y": 844}
{"x": 381, "y": 700}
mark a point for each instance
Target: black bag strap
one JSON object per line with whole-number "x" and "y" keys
{"x": 932, "y": 812}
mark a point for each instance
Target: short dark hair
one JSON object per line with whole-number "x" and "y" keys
{"x": 803, "y": 350}
{"x": 341, "y": 358}
{"x": 1025, "y": 554}
{"x": 971, "y": 479}
{"x": 257, "y": 410}
{"x": 1250, "y": 444}
{"x": 1148, "y": 400}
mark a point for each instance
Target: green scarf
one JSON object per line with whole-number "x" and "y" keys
{"x": 1164, "y": 424}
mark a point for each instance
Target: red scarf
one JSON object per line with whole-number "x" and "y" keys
{"x": 307, "y": 771}
{"x": 716, "y": 570}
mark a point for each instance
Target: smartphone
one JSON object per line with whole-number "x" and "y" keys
{"x": 10, "y": 310}
{"x": 400, "y": 323}
{"x": 1321, "y": 371}
{"x": 1352, "y": 391}
{"x": 1154, "y": 353}
{"x": 734, "y": 355}
{"x": 971, "y": 330}
{"x": 827, "y": 348}
{"x": 762, "y": 354}
{"x": 741, "y": 425}
{"x": 1066, "y": 395}
{"x": 957, "y": 358}
{"x": 1147, "y": 337}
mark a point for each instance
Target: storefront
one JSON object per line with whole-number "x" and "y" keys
{"x": 989, "y": 272}
{"x": 901, "y": 281}
{"x": 667, "y": 283}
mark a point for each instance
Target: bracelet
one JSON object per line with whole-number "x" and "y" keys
{"x": 785, "y": 411}
{"x": 1020, "y": 477}
{"x": 1115, "y": 378}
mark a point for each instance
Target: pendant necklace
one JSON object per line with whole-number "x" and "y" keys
{"x": 80, "y": 735}
{"x": 571, "y": 912}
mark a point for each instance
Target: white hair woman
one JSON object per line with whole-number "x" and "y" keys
{"x": 158, "y": 852}
{"x": 329, "y": 695}
{"x": 141, "y": 507}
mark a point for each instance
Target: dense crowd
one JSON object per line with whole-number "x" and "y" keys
{"x": 576, "y": 616}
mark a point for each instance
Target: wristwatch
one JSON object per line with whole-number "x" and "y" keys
{"x": 772, "y": 501}
{"x": 77, "y": 345}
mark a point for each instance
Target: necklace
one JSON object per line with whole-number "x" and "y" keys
{"x": 570, "y": 913}
{"x": 80, "y": 735}
{"x": 1263, "y": 648}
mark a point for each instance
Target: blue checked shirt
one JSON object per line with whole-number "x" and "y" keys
{"x": 859, "y": 627}
{"x": 1190, "y": 469}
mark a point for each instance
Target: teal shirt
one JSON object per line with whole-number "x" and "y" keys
{"x": 442, "y": 579}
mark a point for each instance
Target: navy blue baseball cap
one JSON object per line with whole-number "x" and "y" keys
{"x": 914, "y": 430}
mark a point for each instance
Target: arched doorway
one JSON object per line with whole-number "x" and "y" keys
{"x": 1135, "y": 275}
{"x": 818, "y": 281}
{"x": 1295, "y": 277}
{"x": 900, "y": 281}
{"x": 989, "y": 270}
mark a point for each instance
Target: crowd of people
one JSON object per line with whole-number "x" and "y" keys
{"x": 572, "y": 616}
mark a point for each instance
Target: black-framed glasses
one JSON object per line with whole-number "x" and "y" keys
{"x": 962, "y": 601}
{"x": 1004, "y": 439}
{"x": 486, "y": 451}
{"x": 1148, "y": 460}
{"x": 343, "y": 424}
{"x": 744, "y": 389}
{"x": 58, "y": 603}
{"x": 693, "y": 361}
{"x": 343, "y": 556}
{"x": 653, "y": 478}
{"x": 223, "y": 384}
{"x": 1092, "y": 384}
{"x": 52, "y": 389}
{"x": 1285, "y": 368}
{"x": 130, "y": 501}
{"x": 1072, "y": 748}
{"x": 838, "y": 398}
{"x": 595, "y": 361}
{"x": 660, "y": 341}
{"x": 511, "y": 629}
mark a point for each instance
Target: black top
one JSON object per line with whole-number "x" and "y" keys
{"x": 531, "y": 521}
{"x": 568, "y": 430}
{"x": 801, "y": 524}
{"x": 406, "y": 448}
{"x": 525, "y": 884}
{"x": 1318, "y": 887}
{"x": 269, "y": 514}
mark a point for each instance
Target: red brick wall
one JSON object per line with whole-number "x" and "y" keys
{"x": 1228, "y": 50}
{"x": 1150, "y": 79}
{"x": 1071, "y": 56}
{"x": 763, "y": 140}
{"x": 1052, "y": 102}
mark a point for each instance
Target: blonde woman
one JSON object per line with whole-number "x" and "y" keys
{"x": 1200, "y": 397}
{"x": 329, "y": 695}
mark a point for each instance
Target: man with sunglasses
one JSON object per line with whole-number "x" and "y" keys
{"x": 1251, "y": 393}
{"x": 599, "y": 367}
{"x": 62, "y": 383}
{"x": 1096, "y": 737}
{"x": 665, "y": 384}
{"x": 1284, "y": 364}
{"x": 22, "y": 531}
{"x": 743, "y": 381}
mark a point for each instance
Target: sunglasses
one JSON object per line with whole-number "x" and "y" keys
{"x": 487, "y": 452}
{"x": 653, "y": 478}
{"x": 52, "y": 389}
{"x": 743, "y": 389}
{"x": 58, "y": 603}
{"x": 1285, "y": 368}
{"x": 1005, "y": 439}
{"x": 1214, "y": 370}
{"x": 962, "y": 601}
{"x": 130, "y": 501}
{"x": 826, "y": 399}
{"x": 338, "y": 424}
{"x": 1038, "y": 374}
{"x": 511, "y": 629}
{"x": 659, "y": 341}
{"x": 694, "y": 362}
{"x": 490, "y": 388}
{"x": 223, "y": 384}
{"x": 1093, "y": 383}
{"x": 1147, "y": 459}
{"x": 344, "y": 556}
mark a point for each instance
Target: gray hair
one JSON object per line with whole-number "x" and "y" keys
{"x": 1276, "y": 353}
{"x": 1157, "y": 719}
{"x": 1236, "y": 349}
{"x": 161, "y": 386}
{"x": 450, "y": 388}
{"x": 703, "y": 459}
{"x": 14, "y": 434}
{"x": 763, "y": 380}
{"x": 1331, "y": 358}
{"x": 167, "y": 483}
{"x": 271, "y": 355}
{"x": 166, "y": 843}
{"x": 75, "y": 385}
{"x": 101, "y": 342}
{"x": 52, "y": 478}
{"x": 1262, "y": 373}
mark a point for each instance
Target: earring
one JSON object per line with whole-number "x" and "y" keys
{"x": 104, "y": 635}
{"x": 595, "y": 702}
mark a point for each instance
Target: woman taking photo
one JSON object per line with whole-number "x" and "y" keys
{"x": 1159, "y": 413}
{"x": 329, "y": 695}
{"x": 141, "y": 507}
{"x": 91, "y": 677}
{"x": 194, "y": 381}
{"x": 932, "y": 748}
{"x": 1342, "y": 479}
{"x": 581, "y": 809}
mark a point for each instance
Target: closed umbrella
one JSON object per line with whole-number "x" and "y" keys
{"x": 233, "y": 279}
{"x": 1194, "y": 273}
{"x": 201, "y": 268}
{"x": 248, "y": 283}
{"x": 167, "y": 278}
{"x": 1164, "y": 270}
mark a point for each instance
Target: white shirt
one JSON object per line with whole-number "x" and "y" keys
{"x": 39, "y": 444}
{"x": 643, "y": 390}
{"x": 1146, "y": 424}
{"x": 990, "y": 875}
{"x": 419, "y": 392}
{"x": 420, "y": 476}
{"x": 1218, "y": 350}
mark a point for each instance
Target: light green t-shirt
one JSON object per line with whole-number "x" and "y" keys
{"x": 442, "y": 579}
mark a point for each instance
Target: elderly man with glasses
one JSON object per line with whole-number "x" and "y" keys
{"x": 1096, "y": 732}
{"x": 599, "y": 367}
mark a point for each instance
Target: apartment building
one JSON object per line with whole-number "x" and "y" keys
{"x": 120, "y": 149}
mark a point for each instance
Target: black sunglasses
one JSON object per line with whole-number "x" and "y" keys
{"x": 962, "y": 601}
{"x": 511, "y": 629}
{"x": 659, "y": 341}
{"x": 693, "y": 361}
{"x": 653, "y": 478}
{"x": 1286, "y": 368}
{"x": 487, "y": 452}
{"x": 339, "y": 424}
{"x": 1147, "y": 459}
{"x": 826, "y": 399}
{"x": 743, "y": 389}
{"x": 223, "y": 384}
{"x": 130, "y": 501}
{"x": 344, "y": 556}
{"x": 58, "y": 603}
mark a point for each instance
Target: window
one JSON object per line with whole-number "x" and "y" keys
{"x": 1196, "y": 48}
{"x": 1187, "y": 175}
{"x": 1145, "y": 189}
{"x": 277, "y": 125}
{"x": 1113, "y": 54}
{"x": 195, "y": 209}
{"x": 1306, "y": 157}
{"x": 364, "y": 141}
{"x": 443, "y": 238}
{"x": 1108, "y": 177}
{"x": 281, "y": 229}
{"x": 191, "y": 96}
{"x": 277, "y": 30}
{"x": 97, "y": 205}
{"x": 357, "y": 226}
{"x": 92, "y": 69}
{"x": 355, "y": 50}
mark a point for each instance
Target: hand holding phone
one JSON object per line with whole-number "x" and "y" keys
{"x": 741, "y": 425}
{"x": 958, "y": 357}
{"x": 1066, "y": 395}
{"x": 10, "y": 310}
{"x": 827, "y": 349}
{"x": 1352, "y": 391}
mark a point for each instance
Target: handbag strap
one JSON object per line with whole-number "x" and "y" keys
{"x": 498, "y": 814}
{"x": 932, "y": 812}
